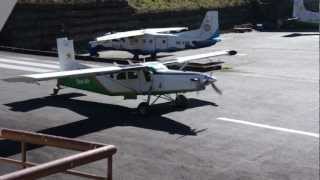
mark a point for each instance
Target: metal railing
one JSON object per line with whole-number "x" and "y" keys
{"x": 89, "y": 152}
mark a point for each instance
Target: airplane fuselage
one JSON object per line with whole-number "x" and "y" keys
{"x": 152, "y": 44}
{"x": 140, "y": 82}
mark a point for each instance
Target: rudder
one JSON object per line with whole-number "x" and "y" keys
{"x": 210, "y": 25}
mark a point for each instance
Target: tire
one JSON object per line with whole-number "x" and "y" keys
{"x": 55, "y": 91}
{"x": 143, "y": 109}
{"x": 181, "y": 102}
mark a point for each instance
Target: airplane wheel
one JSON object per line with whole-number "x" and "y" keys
{"x": 143, "y": 108}
{"x": 55, "y": 91}
{"x": 181, "y": 101}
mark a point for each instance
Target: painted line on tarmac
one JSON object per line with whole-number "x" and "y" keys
{"x": 41, "y": 61}
{"x": 10, "y": 61}
{"x": 241, "y": 54}
{"x": 282, "y": 78}
{"x": 24, "y": 68}
{"x": 269, "y": 127}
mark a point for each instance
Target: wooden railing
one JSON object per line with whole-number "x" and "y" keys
{"x": 89, "y": 152}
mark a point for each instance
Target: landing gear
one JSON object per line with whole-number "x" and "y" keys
{"x": 143, "y": 108}
{"x": 56, "y": 90}
{"x": 181, "y": 101}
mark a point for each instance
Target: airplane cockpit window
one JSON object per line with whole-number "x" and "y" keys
{"x": 132, "y": 75}
{"x": 147, "y": 75}
{"x": 121, "y": 76}
{"x": 156, "y": 67}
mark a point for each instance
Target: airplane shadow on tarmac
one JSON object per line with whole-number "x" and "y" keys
{"x": 101, "y": 116}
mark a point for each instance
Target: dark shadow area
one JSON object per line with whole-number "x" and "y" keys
{"x": 301, "y": 34}
{"x": 100, "y": 117}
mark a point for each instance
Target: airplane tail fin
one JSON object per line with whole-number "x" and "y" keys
{"x": 6, "y": 6}
{"x": 298, "y": 8}
{"x": 67, "y": 55}
{"x": 210, "y": 26}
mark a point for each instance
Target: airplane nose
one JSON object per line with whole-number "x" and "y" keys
{"x": 211, "y": 79}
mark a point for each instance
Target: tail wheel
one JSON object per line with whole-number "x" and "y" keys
{"x": 143, "y": 109}
{"x": 181, "y": 101}
{"x": 55, "y": 91}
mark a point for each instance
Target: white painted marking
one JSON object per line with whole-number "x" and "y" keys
{"x": 24, "y": 68}
{"x": 269, "y": 127}
{"x": 239, "y": 54}
{"x": 284, "y": 78}
{"x": 34, "y": 60}
{"x": 10, "y": 61}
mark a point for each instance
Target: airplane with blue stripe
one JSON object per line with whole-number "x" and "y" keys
{"x": 153, "y": 41}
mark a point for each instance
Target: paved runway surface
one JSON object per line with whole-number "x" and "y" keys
{"x": 264, "y": 126}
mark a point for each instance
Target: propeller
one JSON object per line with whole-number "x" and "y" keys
{"x": 216, "y": 88}
{"x": 211, "y": 80}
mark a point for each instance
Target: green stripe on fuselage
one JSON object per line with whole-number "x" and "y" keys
{"x": 83, "y": 83}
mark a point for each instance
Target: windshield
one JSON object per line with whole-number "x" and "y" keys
{"x": 155, "y": 66}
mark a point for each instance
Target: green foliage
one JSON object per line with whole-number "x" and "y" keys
{"x": 169, "y": 5}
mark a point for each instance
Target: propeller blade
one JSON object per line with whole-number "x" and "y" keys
{"x": 216, "y": 88}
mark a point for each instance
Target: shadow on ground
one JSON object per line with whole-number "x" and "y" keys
{"x": 100, "y": 116}
{"x": 301, "y": 34}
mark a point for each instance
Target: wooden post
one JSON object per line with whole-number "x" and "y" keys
{"x": 109, "y": 174}
{"x": 23, "y": 154}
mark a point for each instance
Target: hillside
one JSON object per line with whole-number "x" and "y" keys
{"x": 174, "y": 5}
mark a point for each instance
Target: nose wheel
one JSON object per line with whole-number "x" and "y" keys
{"x": 143, "y": 108}
{"x": 56, "y": 90}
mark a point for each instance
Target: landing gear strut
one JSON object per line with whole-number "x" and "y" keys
{"x": 143, "y": 108}
{"x": 180, "y": 102}
{"x": 56, "y": 90}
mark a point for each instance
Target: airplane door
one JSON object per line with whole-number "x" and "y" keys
{"x": 161, "y": 44}
{"x": 146, "y": 80}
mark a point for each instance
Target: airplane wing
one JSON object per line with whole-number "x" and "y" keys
{"x": 120, "y": 35}
{"x": 181, "y": 60}
{"x": 32, "y": 78}
{"x": 162, "y": 30}
{"x": 136, "y": 33}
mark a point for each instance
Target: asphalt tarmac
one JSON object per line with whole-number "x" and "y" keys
{"x": 265, "y": 125}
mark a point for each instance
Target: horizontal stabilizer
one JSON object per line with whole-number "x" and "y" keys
{"x": 73, "y": 73}
{"x": 181, "y": 60}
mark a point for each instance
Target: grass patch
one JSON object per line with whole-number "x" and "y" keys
{"x": 176, "y": 5}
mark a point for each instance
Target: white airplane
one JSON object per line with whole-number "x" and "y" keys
{"x": 153, "y": 41}
{"x": 6, "y": 6}
{"x": 147, "y": 79}
{"x": 300, "y": 13}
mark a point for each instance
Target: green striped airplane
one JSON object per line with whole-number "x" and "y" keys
{"x": 151, "y": 79}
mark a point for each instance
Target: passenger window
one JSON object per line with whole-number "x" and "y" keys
{"x": 111, "y": 76}
{"x": 121, "y": 76}
{"x": 144, "y": 41}
{"x": 164, "y": 41}
{"x": 178, "y": 42}
{"x": 132, "y": 75}
{"x": 150, "y": 41}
